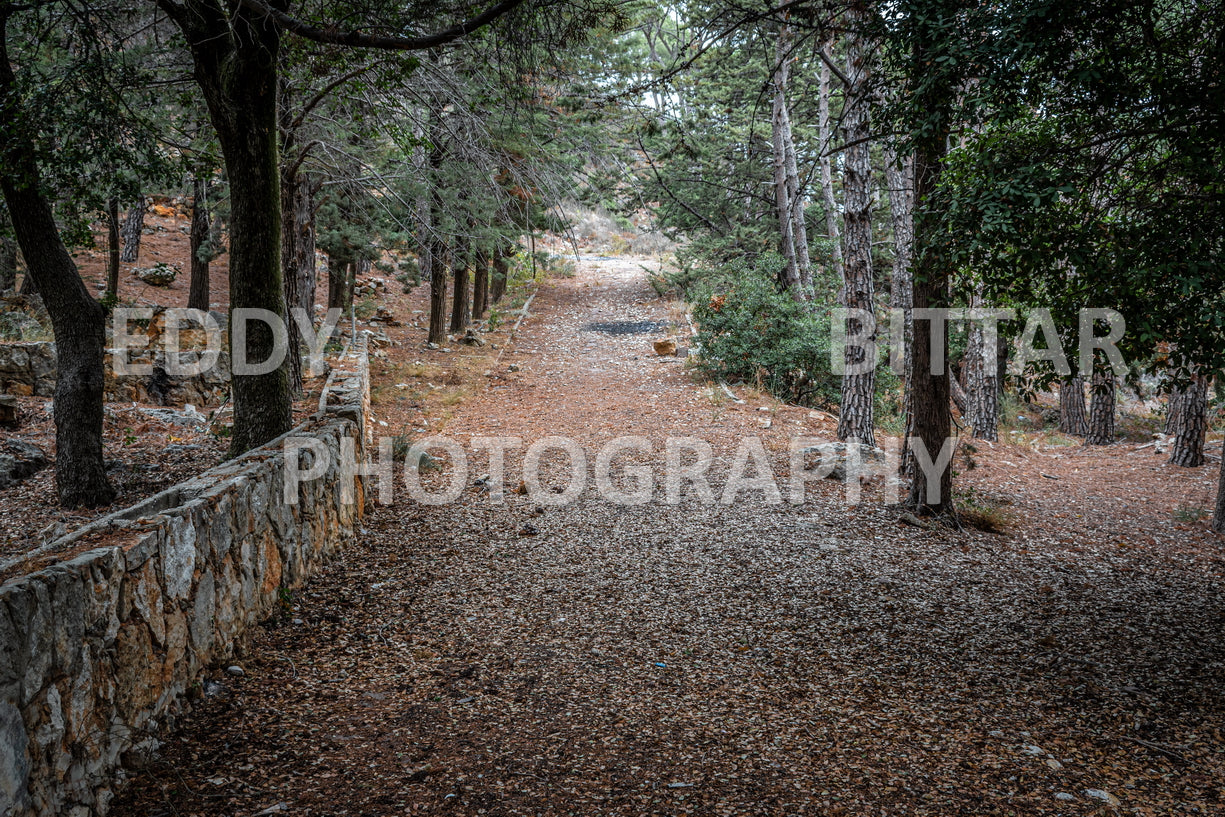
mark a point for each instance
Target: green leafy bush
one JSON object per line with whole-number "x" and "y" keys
{"x": 751, "y": 331}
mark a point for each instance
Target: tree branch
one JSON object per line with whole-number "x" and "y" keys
{"x": 829, "y": 61}
{"x": 673, "y": 196}
{"x": 358, "y": 40}
{"x": 323, "y": 93}
{"x": 292, "y": 170}
{"x": 699, "y": 49}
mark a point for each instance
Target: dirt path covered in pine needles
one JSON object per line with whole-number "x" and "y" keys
{"x": 719, "y": 659}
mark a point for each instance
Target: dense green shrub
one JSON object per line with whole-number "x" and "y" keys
{"x": 751, "y": 331}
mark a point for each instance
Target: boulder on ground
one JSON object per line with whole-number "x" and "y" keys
{"x": 383, "y": 315}
{"x": 158, "y": 275}
{"x": 835, "y": 460}
{"x": 665, "y": 347}
{"x": 19, "y": 460}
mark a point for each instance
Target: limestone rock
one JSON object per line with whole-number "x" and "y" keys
{"x": 665, "y": 347}
{"x": 14, "y": 760}
{"x": 383, "y": 315}
{"x": 19, "y": 460}
{"x": 158, "y": 275}
{"x": 835, "y": 460}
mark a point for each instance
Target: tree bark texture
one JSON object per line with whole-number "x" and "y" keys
{"x": 856, "y": 418}
{"x": 298, "y": 259}
{"x": 422, "y": 214}
{"x": 982, "y": 379}
{"x": 201, "y": 252}
{"x": 340, "y": 283}
{"x": 461, "y": 301}
{"x": 437, "y": 249}
{"x": 112, "y": 247}
{"x": 791, "y": 172}
{"x": 133, "y": 229}
{"x": 1101, "y": 409}
{"x": 790, "y": 274}
{"x": 1186, "y": 423}
{"x": 899, "y": 177}
{"x": 480, "y": 284}
{"x": 501, "y": 272}
{"x": 929, "y": 417}
{"x": 825, "y": 134}
{"x": 1072, "y": 417}
{"x": 438, "y": 292}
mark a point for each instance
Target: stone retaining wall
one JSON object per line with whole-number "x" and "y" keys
{"x": 98, "y": 652}
{"x": 27, "y": 368}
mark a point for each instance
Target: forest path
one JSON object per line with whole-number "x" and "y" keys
{"x": 711, "y": 659}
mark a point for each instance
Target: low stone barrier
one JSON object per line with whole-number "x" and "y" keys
{"x": 27, "y": 368}
{"x": 99, "y": 649}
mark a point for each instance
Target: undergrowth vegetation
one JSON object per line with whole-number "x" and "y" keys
{"x": 751, "y": 331}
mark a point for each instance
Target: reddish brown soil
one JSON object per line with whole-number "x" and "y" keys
{"x": 166, "y": 242}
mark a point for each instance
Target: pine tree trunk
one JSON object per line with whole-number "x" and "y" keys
{"x": 501, "y": 272}
{"x": 855, "y": 421}
{"x": 983, "y": 391}
{"x": 958, "y": 395}
{"x": 929, "y": 417}
{"x": 982, "y": 387}
{"x": 339, "y": 283}
{"x": 77, "y": 319}
{"x": 1101, "y": 409}
{"x": 825, "y": 134}
{"x": 133, "y": 229}
{"x": 298, "y": 257}
{"x": 790, "y": 274}
{"x": 421, "y": 207}
{"x": 1187, "y": 423}
{"x": 234, "y": 52}
{"x": 337, "y": 270}
{"x": 112, "y": 255}
{"x": 795, "y": 192}
{"x": 1072, "y": 417}
{"x": 437, "y": 251}
{"x": 438, "y": 293}
{"x": 201, "y": 253}
{"x": 480, "y": 285}
{"x": 461, "y": 301}
{"x": 899, "y": 178}
{"x": 8, "y": 253}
